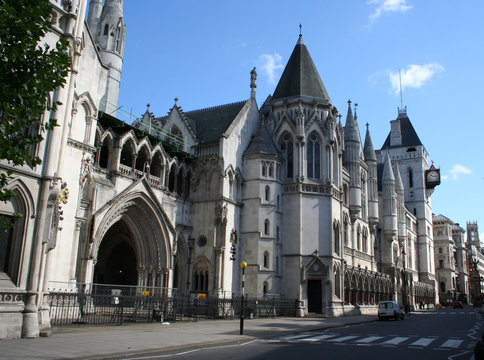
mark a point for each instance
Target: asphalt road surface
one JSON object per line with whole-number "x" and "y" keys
{"x": 443, "y": 334}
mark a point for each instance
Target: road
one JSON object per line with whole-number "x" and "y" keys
{"x": 442, "y": 334}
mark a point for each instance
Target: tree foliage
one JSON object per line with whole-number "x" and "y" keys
{"x": 29, "y": 72}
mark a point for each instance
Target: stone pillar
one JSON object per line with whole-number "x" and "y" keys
{"x": 219, "y": 252}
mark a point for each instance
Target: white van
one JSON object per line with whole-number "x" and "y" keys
{"x": 389, "y": 309}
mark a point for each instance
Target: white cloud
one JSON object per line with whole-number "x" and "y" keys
{"x": 415, "y": 76}
{"x": 270, "y": 63}
{"x": 458, "y": 169}
{"x": 387, "y": 6}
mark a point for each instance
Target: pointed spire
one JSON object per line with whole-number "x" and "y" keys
{"x": 352, "y": 132}
{"x": 387, "y": 169}
{"x": 300, "y": 76}
{"x": 368, "y": 149}
{"x": 398, "y": 179}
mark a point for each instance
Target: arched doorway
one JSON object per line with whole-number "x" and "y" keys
{"x": 116, "y": 262}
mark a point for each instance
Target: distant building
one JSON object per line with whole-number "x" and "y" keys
{"x": 476, "y": 263}
{"x": 451, "y": 260}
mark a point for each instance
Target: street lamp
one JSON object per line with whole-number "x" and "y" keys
{"x": 406, "y": 305}
{"x": 243, "y": 265}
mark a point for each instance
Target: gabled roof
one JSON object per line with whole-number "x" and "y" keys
{"x": 211, "y": 123}
{"x": 409, "y": 135}
{"x": 300, "y": 77}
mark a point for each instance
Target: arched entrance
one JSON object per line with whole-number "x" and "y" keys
{"x": 117, "y": 259}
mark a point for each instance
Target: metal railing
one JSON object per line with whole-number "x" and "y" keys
{"x": 67, "y": 308}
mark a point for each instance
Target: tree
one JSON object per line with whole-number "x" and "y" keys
{"x": 29, "y": 72}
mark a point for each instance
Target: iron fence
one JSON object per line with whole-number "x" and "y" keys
{"x": 67, "y": 308}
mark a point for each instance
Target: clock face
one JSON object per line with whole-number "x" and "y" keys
{"x": 433, "y": 176}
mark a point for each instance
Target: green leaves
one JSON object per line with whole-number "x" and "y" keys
{"x": 29, "y": 75}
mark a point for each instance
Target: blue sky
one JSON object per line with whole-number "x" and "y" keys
{"x": 202, "y": 52}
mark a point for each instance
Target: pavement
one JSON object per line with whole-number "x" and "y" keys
{"x": 115, "y": 342}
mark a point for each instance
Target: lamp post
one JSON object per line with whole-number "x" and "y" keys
{"x": 406, "y": 305}
{"x": 243, "y": 265}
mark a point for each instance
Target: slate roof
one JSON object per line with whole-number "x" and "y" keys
{"x": 262, "y": 143}
{"x": 211, "y": 123}
{"x": 409, "y": 135}
{"x": 441, "y": 217}
{"x": 300, "y": 77}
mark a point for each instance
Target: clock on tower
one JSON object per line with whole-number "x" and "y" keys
{"x": 432, "y": 177}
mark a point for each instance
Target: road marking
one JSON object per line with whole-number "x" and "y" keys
{"x": 343, "y": 338}
{"x": 292, "y": 337}
{"x": 396, "y": 340}
{"x": 319, "y": 337}
{"x": 369, "y": 339}
{"x": 423, "y": 342}
{"x": 453, "y": 343}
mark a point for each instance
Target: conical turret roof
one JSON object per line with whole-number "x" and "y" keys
{"x": 387, "y": 170}
{"x": 398, "y": 179}
{"x": 352, "y": 133}
{"x": 300, "y": 77}
{"x": 262, "y": 143}
{"x": 368, "y": 149}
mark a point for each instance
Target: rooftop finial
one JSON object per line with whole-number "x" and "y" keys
{"x": 367, "y": 126}
{"x": 253, "y": 85}
{"x": 148, "y": 107}
{"x": 176, "y": 101}
{"x": 349, "y": 102}
{"x": 300, "y": 29}
{"x": 356, "y": 105}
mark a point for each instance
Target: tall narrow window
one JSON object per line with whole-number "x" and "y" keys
{"x": 313, "y": 157}
{"x": 410, "y": 178}
{"x": 266, "y": 260}
{"x": 287, "y": 149}
{"x": 271, "y": 170}
{"x": 266, "y": 227}
{"x": 263, "y": 169}
{"x": 345, "y": 233}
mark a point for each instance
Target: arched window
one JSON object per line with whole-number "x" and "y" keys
{"x": 336, "y": 238}
{"x": 277, "y": 233}
{"x": 365, "y": 241}
{"x": 266, "y": 227}
{"x": 442, "y": 287}
{"x": 271, "y": 170}
{"x": 127, "y": 155}
{"x": 106, "y": 29}
{"x": 277, "y": 265}
{"x": 358, "y": 238}
{"x": 267, "y": 193}
{"x": 142, "y": 159}
{"x": 105, "y": 152}
{"x": 179, "y": 182}
{"x": 410, "y": 178}
{"x": 172, "y": 178}
{"x": 287, "y": 149}
{"x": 345, "y": 232}
{"x": 266, "y": 260}
{"x": 263, "y": 169}
{"x": 176, "y": 137}
{"x": 277, "y": 202}
{"x": 118, "y": 38}
{"x": 313, "y": 157}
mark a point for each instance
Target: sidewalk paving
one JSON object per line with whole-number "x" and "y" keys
{"x": 113, "y": 342}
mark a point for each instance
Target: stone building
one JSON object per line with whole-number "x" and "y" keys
{"x": 177, "y": 202}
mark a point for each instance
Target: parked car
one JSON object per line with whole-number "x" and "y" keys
{"x": 457, "y": 305}
{"x": 390, "y": 309}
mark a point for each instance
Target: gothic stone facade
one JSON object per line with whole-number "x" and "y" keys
{"x": 317, "y": 215}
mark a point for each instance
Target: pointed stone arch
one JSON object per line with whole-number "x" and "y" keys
{"x": 148, "y": 228}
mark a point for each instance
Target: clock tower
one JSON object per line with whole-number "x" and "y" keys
{"x": 407, "y": 152}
